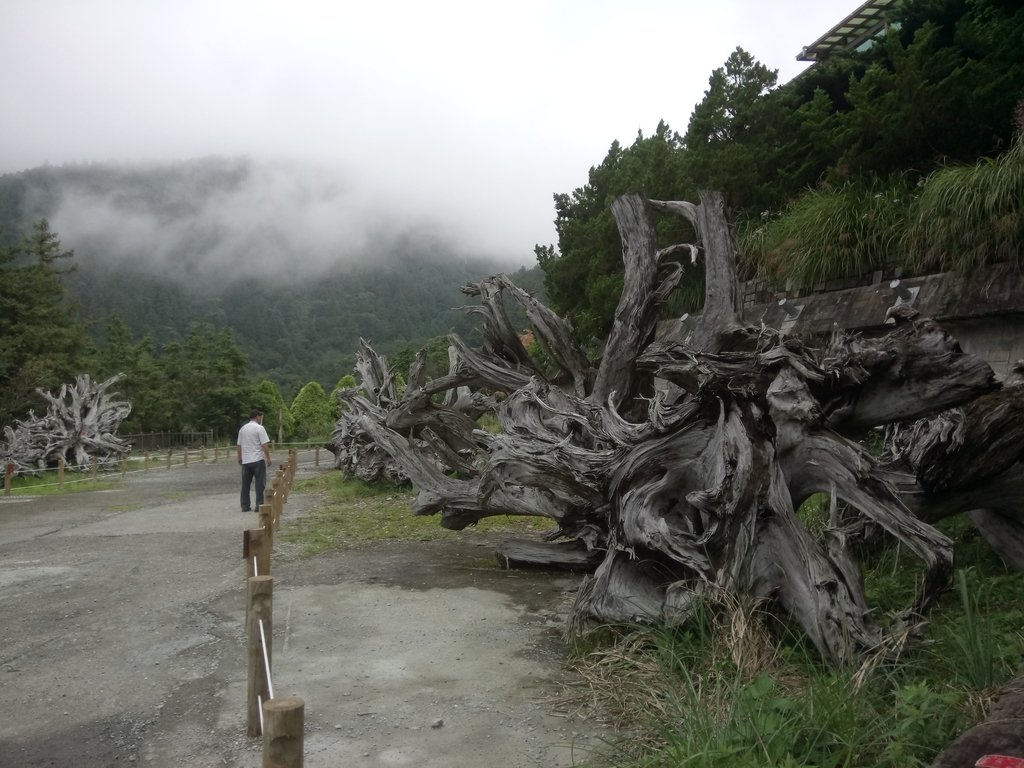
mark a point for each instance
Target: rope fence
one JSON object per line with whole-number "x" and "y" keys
{"x": 92, "y": 472}
{"x": 279, "y": 720}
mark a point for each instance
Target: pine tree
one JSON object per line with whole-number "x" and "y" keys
{"x": 42, "y": 342}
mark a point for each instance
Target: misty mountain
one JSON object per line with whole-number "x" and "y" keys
{"x": 287, "y": 257}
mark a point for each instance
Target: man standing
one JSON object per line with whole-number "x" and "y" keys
{"x": 254, "y": 456}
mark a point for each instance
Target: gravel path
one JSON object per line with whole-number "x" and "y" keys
{"x": 122, "y": 639}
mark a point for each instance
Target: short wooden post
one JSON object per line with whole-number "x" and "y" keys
{"x": 60, "y": 472}
{"x": 184, "y": 461}
{"x": 124, "y": 466}
{"x": 202, "y": 455}
{"x": 278, "y": 502}
{"x": 283, "y": 723}
{"x": 256, "y": 551}
{"x": 8, "y": 474}
{"x": 266, "y": 512}
{"x": 92, "y": 467}
{"x": 170, "y": 452}
{"x": 145, "y": 462}
{"x": 259, "y": 608}
{"x": 216, "y": 453}
{"x": 316, "y": 457}
{"x": 281, "y": 482}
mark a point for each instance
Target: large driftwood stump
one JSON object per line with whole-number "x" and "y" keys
{"x": 80, "y": 425}
{"x": 683, "y": 463}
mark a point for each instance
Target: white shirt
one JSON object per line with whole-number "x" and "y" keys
{"x": 252, "y": 437}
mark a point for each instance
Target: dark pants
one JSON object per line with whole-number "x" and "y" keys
{"x": 257, "y": 471}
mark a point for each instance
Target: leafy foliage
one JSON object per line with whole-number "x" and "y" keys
{"x": 312, "y": 412}
{"x": 348, "y": 381}
{"x": 278, "y": 419}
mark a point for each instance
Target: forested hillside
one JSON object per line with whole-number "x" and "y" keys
{"x": 293, "y": 331}
{"x": 271, "y": 253}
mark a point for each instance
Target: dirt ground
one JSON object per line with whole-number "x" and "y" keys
{"x": 122, "y": 639}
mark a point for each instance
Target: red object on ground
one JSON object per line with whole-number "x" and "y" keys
{"x": 999, "y": 761}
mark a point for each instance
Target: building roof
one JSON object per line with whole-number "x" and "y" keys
{"x": 852, "y": 32}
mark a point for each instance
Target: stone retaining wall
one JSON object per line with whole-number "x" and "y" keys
{"x": 984, "y": 311}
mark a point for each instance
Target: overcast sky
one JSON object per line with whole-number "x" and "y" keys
{"x": 468, "y": 111}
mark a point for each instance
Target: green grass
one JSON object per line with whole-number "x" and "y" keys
{"x": 352, "y": 513}
{"x": 737, "y": 688}
{"x": 46, "y": 483}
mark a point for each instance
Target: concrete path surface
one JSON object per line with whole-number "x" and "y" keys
{"x": 122, "y": 639}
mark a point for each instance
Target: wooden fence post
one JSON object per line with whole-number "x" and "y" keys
{"x": 145, "y": 462}
{"x": 184, "y": 462}
{"x": 278, "y": 502}
{"x": 266, "y": 512}
{"x": 60, "y": 472}
{"x": 8, "y": 474}
{"x": 256, "y": 544}
{"x": 283, "y": 723}
{"x": 259, "y": 608}
{"x": 316, "y": 457}
{"x": 92, "y": 468}
{"x": 202, "y": 455}
{"x": 170, "y": 451}
{"x": 281, "y": 482}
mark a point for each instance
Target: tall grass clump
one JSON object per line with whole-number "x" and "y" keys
{"x": 966, "y": 217}
{"x": 829, "y": 233}
{"x": 974, "y": 638}
{"x": 738, "y": 686}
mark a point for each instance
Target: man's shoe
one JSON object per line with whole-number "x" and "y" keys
{"x": 247, "y": 510}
